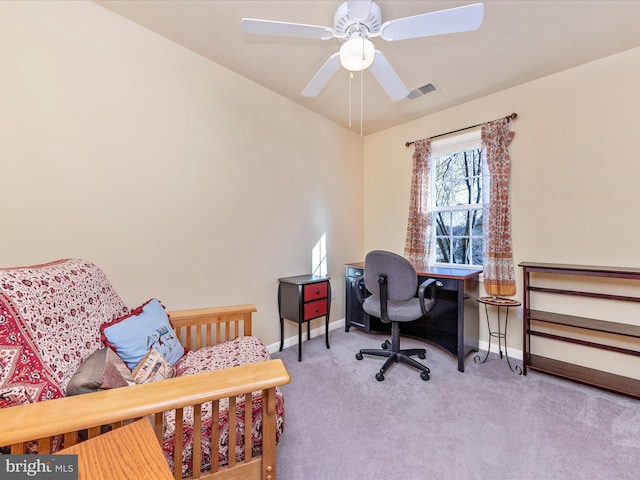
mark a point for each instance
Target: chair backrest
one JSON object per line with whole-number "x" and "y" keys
{"x": 401, "y": 276}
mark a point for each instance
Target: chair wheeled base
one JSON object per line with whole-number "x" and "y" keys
{"x": 395, "y": 355}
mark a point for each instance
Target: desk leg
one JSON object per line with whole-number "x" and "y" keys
{"x": 299, "y": 341}
{"x": 461, "y": 346}
{"x": 281, "y": 333}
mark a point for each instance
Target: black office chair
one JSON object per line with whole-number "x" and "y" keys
{"x": 392, "y": 282}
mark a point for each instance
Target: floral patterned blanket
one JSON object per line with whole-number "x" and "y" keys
{"x": 50, "y": 318}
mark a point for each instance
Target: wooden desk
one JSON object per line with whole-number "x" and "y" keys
{"x": 125, "y": 453}
{"x": 453, "y": 324}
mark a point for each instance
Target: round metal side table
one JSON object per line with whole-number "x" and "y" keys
{"x": 499, "y": 303}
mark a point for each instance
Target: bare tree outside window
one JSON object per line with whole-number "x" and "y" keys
{"x": 458, "y": 208}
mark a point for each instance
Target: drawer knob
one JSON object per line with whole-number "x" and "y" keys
{"x": 317, "y": 309}
{"x": 317, "y": 291}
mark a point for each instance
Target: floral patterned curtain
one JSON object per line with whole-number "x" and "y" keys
{"x": 499, "y": 275}
{"x": 417, "y": 245}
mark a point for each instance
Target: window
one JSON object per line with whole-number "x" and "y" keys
{"x": 457, "y": 200}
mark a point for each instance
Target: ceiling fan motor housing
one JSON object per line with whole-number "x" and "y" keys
{"x": 343, "y": 24}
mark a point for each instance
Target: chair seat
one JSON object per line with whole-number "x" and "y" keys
{"x": 406, "y": 311}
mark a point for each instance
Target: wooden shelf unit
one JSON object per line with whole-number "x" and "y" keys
{"x": 609, "y": 381}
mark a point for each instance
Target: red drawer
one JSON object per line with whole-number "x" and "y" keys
{"x": 314, "y": 291}
{"x": 315, "y": 309}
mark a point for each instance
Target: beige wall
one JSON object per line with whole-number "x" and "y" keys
{"x": 181, "y": 179}
{"x": 574, "y": 181}
{"x": 185, "y": 181}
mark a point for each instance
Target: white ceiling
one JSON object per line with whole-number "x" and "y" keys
{"x": 519, "y": 41}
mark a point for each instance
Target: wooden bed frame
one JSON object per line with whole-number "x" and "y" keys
{"x": 67, "y": 416}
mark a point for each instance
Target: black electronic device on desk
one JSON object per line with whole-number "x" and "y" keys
{"x": 454, "y": 322}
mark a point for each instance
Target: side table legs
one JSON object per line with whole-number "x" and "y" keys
{"x": 502, "y": 337}
{"x": 300, "y": 335}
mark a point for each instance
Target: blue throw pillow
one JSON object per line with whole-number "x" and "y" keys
{"x": 146, "y": 327}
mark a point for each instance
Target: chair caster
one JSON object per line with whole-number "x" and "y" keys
{"x": 422, "y": 356}
{"x": 424, "y": 376}
{"x": 385, "y": 345}
{"x": 358, "y": 356}
{"x": 380, "y": 376}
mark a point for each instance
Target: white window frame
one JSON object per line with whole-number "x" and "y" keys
{"x": 468, "y": 140}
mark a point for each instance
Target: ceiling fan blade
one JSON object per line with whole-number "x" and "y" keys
{"x": 453, "y": 20}
{"x": 324, "y": 75}
{"x": 359, "y": 9}
{"x": 388, "y": 78}
{"x": 285, "y": 29}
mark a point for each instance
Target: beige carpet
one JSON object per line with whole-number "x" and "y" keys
{"x": 486, "y": 423}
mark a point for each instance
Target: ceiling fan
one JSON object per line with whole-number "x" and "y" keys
{"x": 355, "y": 23}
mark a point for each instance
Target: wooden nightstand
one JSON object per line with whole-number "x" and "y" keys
{"x": 301, "y": 299}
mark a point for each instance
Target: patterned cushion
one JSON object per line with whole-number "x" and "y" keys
{"x": 56, "y": 309}
{"x": 146, "y": 327}
{"x": 103, "y": 370}
{"x": 153, "y": 367}
{"x": 240, "y": 351}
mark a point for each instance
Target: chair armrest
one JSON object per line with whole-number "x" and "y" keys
{"x": 432, "y": 284}
{"x": 70, "y": 414}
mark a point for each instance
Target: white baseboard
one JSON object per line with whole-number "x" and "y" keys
{"x": 514, "y": 353}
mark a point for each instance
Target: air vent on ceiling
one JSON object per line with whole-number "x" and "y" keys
{"x": 423, "y": 90}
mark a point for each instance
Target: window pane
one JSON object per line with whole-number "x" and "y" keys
{"x": 476, "y": 252}
{"x": 461, "y": 222}
{"x": 444, "y": 177}
{"x": 477, "y": 223}
{"x": 461, "y": 194}
{"x": 460, "y": 250}
{"x": 443, "y": 223}
{"x": 443, "y": 247}
{"x": 458, "y": 230}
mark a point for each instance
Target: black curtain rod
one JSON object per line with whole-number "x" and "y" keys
{"x": 513, "y": 116}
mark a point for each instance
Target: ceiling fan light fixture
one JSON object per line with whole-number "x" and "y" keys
{"x": 356, "y": 54}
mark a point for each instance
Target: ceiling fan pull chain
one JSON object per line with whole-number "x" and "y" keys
{"x": 350, "y": 101}
{"x": 361, "y": 99}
